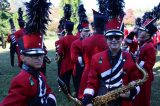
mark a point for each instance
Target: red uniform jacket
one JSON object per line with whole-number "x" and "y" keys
{"x": 155, "y": 40}
{"x": 64, "y": 52}
{"x": 146, "y": 59}
{"x": 24, "y": 87}
{"x": 133, "y": 46}
{"x": 126, "y": 32}
{"x": 158, "y": 40}
{"x": 57, "y": 45}
{"x": 78, "y": 34}
{"x": 18, "y": 34}
{"x": 123, "y": 72}
{"x": 76, "y": 50}
{"x": 158, "y": 36}
{"x": 90, "y": 46}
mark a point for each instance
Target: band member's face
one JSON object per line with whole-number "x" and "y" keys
{"x": 85, "y": 34}
{"x": 142, "y": 35}
{"x": 33, "y": 61}
{"x": 114, "y": 42}
{"x": 60, "y": 36}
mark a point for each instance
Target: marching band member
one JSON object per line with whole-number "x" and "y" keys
{"x": 29, "y": 87}
{"x": 94, "y": 44}
{"x": 111, "y": 69}
{"x": 146, "y": 57}
{"x": 66, "y": 68}
{"x": 77, "y": 57}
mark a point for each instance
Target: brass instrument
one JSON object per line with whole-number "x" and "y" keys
{"x": 112, "y": 95}
{"x": 47, "y": 59}
{"x": 68, "y": 95}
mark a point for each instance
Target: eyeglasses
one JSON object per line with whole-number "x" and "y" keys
{"x": 37, "y": 57}
{"x": 115, "y": 37}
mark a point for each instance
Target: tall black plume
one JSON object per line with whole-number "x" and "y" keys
{"x": 115, "y": 8}
{"x": 102, "y": 6}
{"x": 38, "y": 16}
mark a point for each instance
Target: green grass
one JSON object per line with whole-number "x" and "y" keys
{"x": 7, "y": 72}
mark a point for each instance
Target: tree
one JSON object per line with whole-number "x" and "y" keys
{"x": 4, "y": 15}
{"x": 75, "y": 4}
{"x": 130, "y": 17}
{"x": 4, "y": 5}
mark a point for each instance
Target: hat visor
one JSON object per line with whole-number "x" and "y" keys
{"x": 86, "y": 29}
{"x": 142, "y": 28}
{"x": 33, "y": 52}
{"x": 114, "y": 32}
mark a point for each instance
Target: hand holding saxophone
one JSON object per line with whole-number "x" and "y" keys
{"x": 125, "y": 95}
{"x": 128, "y": 93}
{"x": 89, "y": 104}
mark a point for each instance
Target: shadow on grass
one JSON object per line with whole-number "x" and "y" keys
{"x": 155, "y": 100}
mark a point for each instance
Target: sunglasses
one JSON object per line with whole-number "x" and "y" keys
{"x": 37, "y": 57}
{"x": 114, "y": 37}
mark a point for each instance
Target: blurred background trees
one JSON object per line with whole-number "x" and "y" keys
{"x": 4, "y": 15}
{"x": 9, "y": 8}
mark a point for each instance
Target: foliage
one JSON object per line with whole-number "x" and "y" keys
{"x": 4, "y": 21}
{"x": 55, "y": 16}
{"x": 4, "y": 5}
{"x": 75, "y": 4}
{"x": 4, "y": 15}
{"x": 129, "y": 17}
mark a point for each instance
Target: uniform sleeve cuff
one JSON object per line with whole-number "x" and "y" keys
{"x": 141, "y": 63}
{"x": 89, "y": 91}
{"x": 51, "y": 100}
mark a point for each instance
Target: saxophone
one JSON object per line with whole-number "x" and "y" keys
{"x": 63, "y": 87}
{"x": 112, "y": 95}
{"x": 47, "y": 59}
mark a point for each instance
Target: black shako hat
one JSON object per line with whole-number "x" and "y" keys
{"x": 149, "y": 27}
{"x": 69, "y": 26}
{"x": 99, "y": 21}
